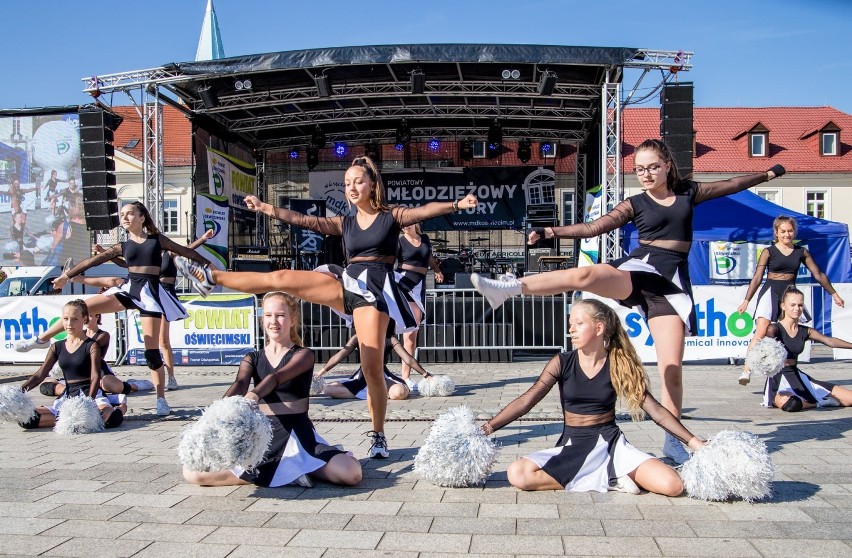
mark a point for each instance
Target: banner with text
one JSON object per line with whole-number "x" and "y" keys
{"x": 24, "y": 317}
{"x": 211, "y": 213}
{"x": 220, "y": 330}
{"x": 734, "y": 263}
{"x": 592, "y": 209}
{"x": 231, "y": 177}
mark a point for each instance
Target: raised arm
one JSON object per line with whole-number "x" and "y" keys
{"x": 324, "y": 225}
{"x": 620, "y": 215}
{"x": 105, "y": 256}
{"x": 821, "y": 278}
{"x": 338, "y": 357}
{"x": 301, "y": 362}
{"x": 669, "y": 422}
{"x": 410, "y": 215}
{"x": 172, "y": 246}
{"x": 762, "y": 262}
{"x": 407, "y": 357}
{"x": 832, "y": 342}
{"x": 709, "y": 190}
{"x": 208, "y": 234}
{"x": 242, "y": 383}
{"x": 43, "y": 370}
{"x": 522, "y": 405}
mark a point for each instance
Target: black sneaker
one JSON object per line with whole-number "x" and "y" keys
{"x": 379, "y": 447}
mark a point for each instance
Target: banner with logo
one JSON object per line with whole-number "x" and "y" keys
{"x": 220, "y": 330}
{"x": 841, "y": 319}
{"x": 328, "y": 186}
{"x": 734, "y": 263}
{"x": 24, "y": 317}
{"x": 592, "y": 209}
{"x": 231, "y": 177}
{"x": 211, "y": 213}
{"x": 306, "y": 240}
{"x": 722, "y": 331}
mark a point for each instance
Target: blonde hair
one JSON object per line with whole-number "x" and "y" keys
{"x": 625, "y": 368}
{"x": 780, "y": 220}
{"x": 377, "y": 194}
{"x": 295, "y": 313}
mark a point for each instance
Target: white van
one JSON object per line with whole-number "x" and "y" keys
{"x": 37, "y": 280}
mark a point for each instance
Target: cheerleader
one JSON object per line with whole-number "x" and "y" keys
{"x": 143, "y": 291}
{"x": 79, "y": 357}
{"x": 781, "y": 261}
{"x": 791, "y": 389}
{"x": 593, "y": 454}
{"x": 369, "y": 291}
{"x": 654, "y": 278}
{"x": 281, "y": 375}
{"x": 414, "y": 258}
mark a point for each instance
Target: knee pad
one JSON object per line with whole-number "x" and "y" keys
{"x": 793, "y": 405}
{"x": 127, "y": 388}
{"x": 115, "y": 419}
{"x": 154, "y": 358}
{"x": 33, "y": 422}
{"x": 47, "y": 388}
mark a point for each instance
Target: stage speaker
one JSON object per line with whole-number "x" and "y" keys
{"x": 101, "y": 215}
{"x": 100, "y": 204}
{"x": 676, "y": 124}
{"x": 535, "y": 254}
{"x": 463, "y": 281}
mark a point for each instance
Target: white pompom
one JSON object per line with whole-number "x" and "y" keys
{"x": 436, "y": 386}
{"x": 15, "y": 405}
{"x": 456, "y": 453}
{"x": 11, "y": 246}
{"x": 44, "y": 243}
{"x": 733, "y": 464}
{"x": 766, "y": 357}
{"x": 79, "y": 415}
{"x": 231, "y": 432}
{"x": 317, "y": 385}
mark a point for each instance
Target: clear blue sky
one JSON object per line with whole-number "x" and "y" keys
{"x": 747, "y": 52}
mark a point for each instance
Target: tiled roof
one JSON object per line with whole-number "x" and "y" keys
{"x": 177, "y": 132}
{"x": 792, "y": 141}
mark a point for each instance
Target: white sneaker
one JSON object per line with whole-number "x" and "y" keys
{"x": 674, "y": 450}
{"x": 141, "y": 385}
{"x": 828, "y": 401}
{"x": 304, "y": 480}
{"x": 171, "y": 383}
{"x": 163, "y": 408}
{"x": 199, "y": 275}
{"x": 379, "y": 447}
{"x": 745, "y": 378}
{"x": 625, "y": 484}
{"x": 27, "y": 345}
{"x": 496, "y": 291}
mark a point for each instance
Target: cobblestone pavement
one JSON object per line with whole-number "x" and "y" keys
{"x": 120, "y": 493}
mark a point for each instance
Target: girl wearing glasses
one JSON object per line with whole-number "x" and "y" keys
{"x": 654, "y": 278}
{"x": 369, "y": 291}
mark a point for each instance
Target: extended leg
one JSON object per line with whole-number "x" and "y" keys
{"x": 525, "y": 474}
{"x": 312, "y": 286}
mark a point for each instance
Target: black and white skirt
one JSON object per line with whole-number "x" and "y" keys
{"x": 590, "y": 458}
{"x": 357, "y": 383}
{"x": 769, "y": 301}
{"x": 296, "y": 449}
{"x": 374, "y": 284}
{"x": 792, "y": 381}
{"x": 413, "y": 286}
{"x": 82, "y": 390}
{"x": 660, "y": 282}
{"x": 146, "y": 294}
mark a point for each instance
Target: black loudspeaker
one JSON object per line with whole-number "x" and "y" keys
{"x": 466, "y": 150}
{"x": 100, "y": 215}
{"x": 463, "y": 281}
{"x": 100, "y": 204}
{"x": 676, "y": 124}
{"x": 99, "y": 195}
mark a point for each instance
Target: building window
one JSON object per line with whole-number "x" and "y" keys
{"x": 757, "y": 145}
{"x": 773, "y": 196}
{"x": 828, "y": 143}
{"x": 479, "y": 150}
{"x": 816, "y": 204}
{"x": 171, "y": 217}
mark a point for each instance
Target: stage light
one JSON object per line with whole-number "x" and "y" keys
{"x": 418, "y": 82}
{"x": 547, "y": 149}
{"x": 403, "y": 133}
{"x": 241, "y": 85}
{"x": 323, "y": 84}
{"x": 373, "y": 151}
{"x": 495, "y": 138}
{"x": 208, "y": 96}
{"x": 312, "y": 155}
{"x": 340, "y": 149}
{"x": 516, "y": 74}
{"x": 466, "y": 150}
{"x": 399, "y": 146}
{"x": 510, "y": 74}
{"x": 547, "y": 83}
{"x": 294, "y": 153}
{"x": 434, "y": 144}
{"x": 524, "y": 150}
{"x": 318, "y": 138}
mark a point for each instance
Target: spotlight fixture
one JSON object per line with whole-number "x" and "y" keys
{"x": 495, "y": 139}
{"x": 323, "y": 84}
{"x": 208, "y": 96}
{"x": 434, "y": 144}
{"x": 294, "y": 153}
{"x": 418, "y": 82}
{"x": 466, "y": 150}
{"x": 399, "y": 146}
{"x": 510, "y": 74}
{"x": 318, "y": 138}
{"x": 340, "y": 149}
{"x": 524, "y": 150}
{"x": 547, "y": 149}
{"x": 242, "y": 85}
{"x": 403, "y": 133}
{"x": 312, "y": 155}
{"x": 373, "y": 151}
{"x": 547, "y": 83}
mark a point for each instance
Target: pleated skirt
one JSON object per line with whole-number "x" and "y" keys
{"x": 374, "y": 284}
{"x": 769, "y": 301}
{"x": 357, "y": 383}
{"x": 413, "y": 286}
{"x": 792, "y": 381}
{"x": 146, "y": 294}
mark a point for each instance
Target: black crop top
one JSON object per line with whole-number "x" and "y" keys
{"x": 774, "y": 261}
{"x": 794, "y": 345}
{"x": 146, "y": 253}
{"x": 380, "y": 239}
{"x": 76, "y": 366}
{"x": 168, "y": 269}
{"x": 290, "y": 380}
{"x": 583, "y": 395}
{"x": 417, "y": 256}
{"x": 779, "y": 263}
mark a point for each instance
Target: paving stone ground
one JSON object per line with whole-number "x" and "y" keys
{"x": 120, "y": 493}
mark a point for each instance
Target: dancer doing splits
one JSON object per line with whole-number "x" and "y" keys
{"x": 781, "y": 262}
{"x": 281, "y": 374}
{"x": 593, "y": 453}
{"x": 654, "y": 278}
{"x": 143, "y": 291}
{"x": 369, "y": 290}
{"x": 791, "y": 389}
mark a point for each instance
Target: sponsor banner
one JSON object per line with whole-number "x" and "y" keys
{"x": 220, "y": 330}
{"x": 722, "y": 331}
{"x": 211, "y": 213}
{"x": 306, "y": 240}
{"x": 593, "y": 208}
{"x": 328, "y": 186}
{"x": 24, "y": 317}
{"x": 231, "y": 177}
{"x": 841, "y": 319}
{"x": 735, "y": 262}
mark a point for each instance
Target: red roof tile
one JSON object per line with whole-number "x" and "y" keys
{"x": 177, "y": 132}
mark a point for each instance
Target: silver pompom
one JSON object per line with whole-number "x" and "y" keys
{"x": 436, "y": 386}
{"x": 733, "y": 464}
{"x": 78, "y": 415}
{"x": 230, "y": 433}
{"x": 15, "y": 405}
{"x": 456, "y": 453}
{"x": 766, "y": 357}
{"x": 317, "y": 385}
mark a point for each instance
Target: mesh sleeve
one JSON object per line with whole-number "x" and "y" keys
{"x": 406, "y": 357}
{"x": 95, "y": 358}
{"x": 409, "y": 215}
{"x": 620, "y": 215}
{"x": 522, "y": 405}
{"x": 113, "y": 251}
{"x": 302, "y": 361}
{"x": 242, "y": 383}
{"x": 758, "y": 274}
{"x": 43, "y": 370}
{"x": 817, "y": 273}
{"x": 325, "y": 225}
{"x": 340, "y": 355}
{"x": 709, "y": 190}
{"x": 665, "y": 419}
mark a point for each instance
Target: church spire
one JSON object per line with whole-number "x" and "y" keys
{"x": 210, "y": 42}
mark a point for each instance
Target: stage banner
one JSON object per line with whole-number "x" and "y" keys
{"x": 220, "y": 330}
{"x": 722, "y": 331}
{"x": 734, "y": 263}
{"x": 231, "y": 177}
{"x": 211, "y": 213}
{"x": 592, "y": 209}
{"x": 841, "y": 319}
{"x": 306, "y": 240}
{"x": 328, "y": 186}
{"x": 24, "y": 317}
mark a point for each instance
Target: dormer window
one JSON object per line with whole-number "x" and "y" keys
{"x": 757, "y": 144}
{"x": 828, "y": 143}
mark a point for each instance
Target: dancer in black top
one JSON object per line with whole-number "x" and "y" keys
{"x": 281, "y": 374}
{"x": 413, "y": 261}
{"x": 781, "y": 261}
{"x": 143, "y": 291}
{"x": 369, "y": 291}
{"x": 791, "y": 389}
{"x": 592, "y": 453}
{"x": 654, "y": 278}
